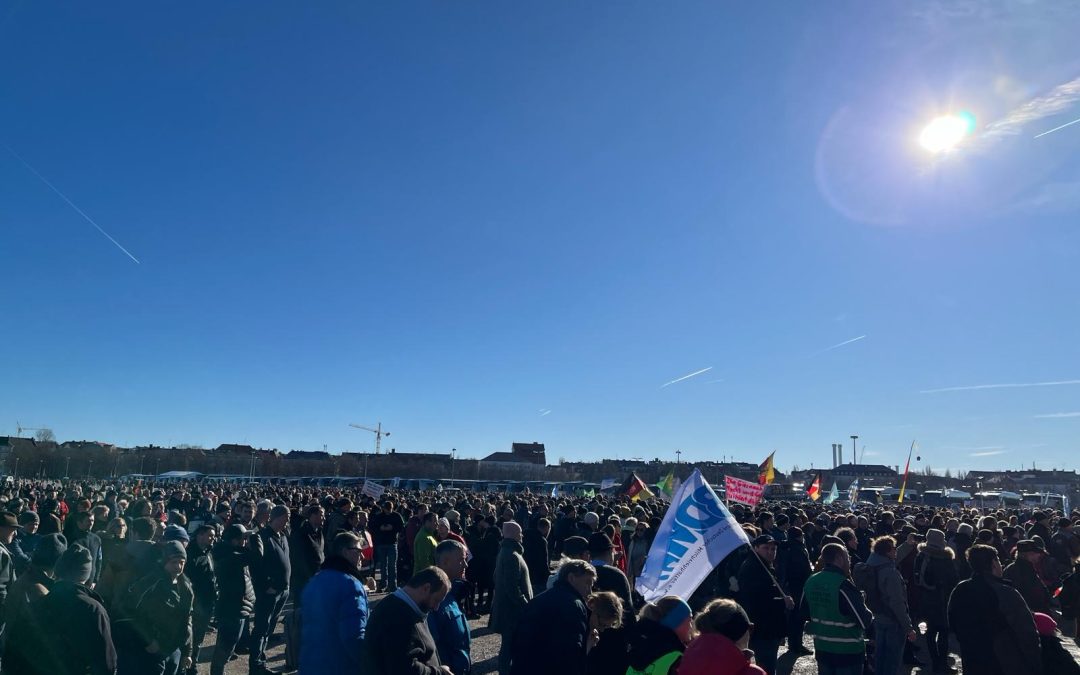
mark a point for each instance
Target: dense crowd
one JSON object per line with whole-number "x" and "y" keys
{"x": 129, "y": 578}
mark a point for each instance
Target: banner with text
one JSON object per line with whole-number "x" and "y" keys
{"x": 696, "y": 534}
{"x": 743, "y": 491}
{"x": 372, "y": 489}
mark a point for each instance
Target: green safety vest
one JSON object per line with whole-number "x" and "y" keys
{"x": 833, "y": 632}
{"x": 660, "y": 666}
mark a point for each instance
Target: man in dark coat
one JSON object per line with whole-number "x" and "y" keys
{"x": 398, "y": 641}
{"x": 513, "y": 591}
{"x": 1024, "y": 575}
{"x": 1039, "y": 528}
{"x": 934, "y": 579}
{"x": 153, "y": 622}
{"x": 766, "y": 606}
{"x": 200, "y": 572}
{"x": 25, "y": 640}
{"x": 792, "y": 576}
{"x": 538, "y": 554}
{"x": 307, "y": 551}
{"x": 608, "y": 576}
{"x": 553, "y": 631}
{"x": 236, "y": 595}
{"x": 84, "y": 646}
{"x": 82, "y": 534}
{"x": 9, "y": 527}
{"x": 270, "y": 574}
{"x": 992, "y": 622}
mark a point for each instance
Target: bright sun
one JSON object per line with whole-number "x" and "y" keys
{"x": 945, "y": 132}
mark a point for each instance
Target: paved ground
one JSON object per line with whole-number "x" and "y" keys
{"x": 486, "y": 649}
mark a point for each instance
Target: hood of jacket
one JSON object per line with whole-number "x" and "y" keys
{"x": 336, "y": 563}
{"x": 942, "y": 553}
{"x": 649, "y": 641}
{"x": 878, "y": 560}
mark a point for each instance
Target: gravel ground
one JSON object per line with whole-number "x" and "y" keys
{"x": 485, "y": 649}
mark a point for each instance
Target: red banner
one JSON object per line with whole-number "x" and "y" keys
{"x": 743, "y": 491}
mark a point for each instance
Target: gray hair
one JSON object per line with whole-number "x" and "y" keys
{"x": 264, "y": 506}
{"x": 445, "y": 548}
{"x": 576, "y": 568}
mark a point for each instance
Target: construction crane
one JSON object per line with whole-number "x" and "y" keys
{"x": 19, "y": 428}
{"x": 379, "y": 433}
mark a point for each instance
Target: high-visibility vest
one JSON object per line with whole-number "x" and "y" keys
{"x": 660, "y": 666}
{"x": 833, "y": 631}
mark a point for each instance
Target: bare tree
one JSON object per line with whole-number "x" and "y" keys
{"x": 45, "y": 435}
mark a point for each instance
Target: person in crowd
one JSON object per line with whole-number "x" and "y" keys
{"x": 84, "y": 646}
{"x": 838, "y": 619}
{"x": 306, "y": 551}
{"x": 24, "y": 641}
{"x": 398, "y": 641}
{"x": 992, "y": 623}
{"x": 270, "y": 573}
{"x": 386, "y": 526}
{"x": 638, "y": 549}
{"x": 722, "y": 643}
{"x": 552, "y": 634}
{"x": 759, "y": 594}
{"x": 793, "y": 571}
{"x": 153, "y": 623}
{"x": 26, "y": 539}
{"x": 9, "y": 527}
{"x": 513, "y": 590}
{"x": 335, "y": 612}
{"x": 82, "y": 532}
{"x": 236, "y": 593}
{"x": 1064, "y": 546}
{"x": 424, "y": 543}
{"x": 200, "y": 573}
{"x": 606, "y": 645}
{"x": 483, "y": 543}
{"x": 886, "y": 596}
{"x": 1023, "y": 573}
{"x": 1055, "y": 659}
{"x": 337, "y": 520}
{"x": 448, "y": 625}
{"x": 537, "y": 554}
{"x": 1039, "y": 527}
{"x": 935, "y": 577}
{"x": 658, "y": 638}
{"x": 608, "y": 576}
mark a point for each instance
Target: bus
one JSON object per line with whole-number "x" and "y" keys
{"x": 1049, "y": 500}
{"x": 999, "y": 498}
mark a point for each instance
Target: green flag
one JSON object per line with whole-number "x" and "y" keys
{"x": 667, "y": 484}
{"x": 833, "y": 495}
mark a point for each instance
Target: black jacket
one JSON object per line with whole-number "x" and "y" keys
{"x": 271, "y": 566}
{"x": 155, "y": 609}
{"x": 994, "y": 627}
{"x": 306, "y": 551}
{"x": 649, "y": 641}
{"x": 795, "y": 569}
{"x": 92, "y": 543}
{"x": 236, "y": 594}
{"x": 934, "y": 579}
{"x": 762, "y": 601}
{"x": 404, "y": 643}
{"x": 200, "y": 572}
{"x": 610, "y": 578}
{"x": 84, "y": 646}
{"x": 537, "y": 557}
{"x": 551, "y": 634}
{"x": 1026, "y": 579}
{"x": 24, "y": 638}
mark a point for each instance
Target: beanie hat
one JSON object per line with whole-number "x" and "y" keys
{"x": 453, "y": 516}
{"x": 676, "y": 615}
{"x": 511, "y": 530}
{"x": 172, "y": 549}
{"x": 27, "y": 517}
{"x": 443, "y": 522}
{"x": 591, "y": 519}
{"x": 935, "y": 539}
{"x": 965, "y": 528}
{"x": 735, "y": 624}
{"x": 76, "y": 564}
{"x": 49, "y": 550}
{"x": 574, "y": 547}
{"x": 175, "y": 533}
{"x": 599, "y": 544}
{"x": 1045, "y": 624}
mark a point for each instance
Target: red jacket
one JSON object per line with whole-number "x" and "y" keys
{"x": 714, "y": 654}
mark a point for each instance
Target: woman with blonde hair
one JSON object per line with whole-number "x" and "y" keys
{"x": 721, "y": 645}
{"x": 606, "y": 642}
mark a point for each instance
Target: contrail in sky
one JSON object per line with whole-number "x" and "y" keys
{"x": 845, "y": 342}
{"x": 686, "y": 377}
{"x": 1000, "y": 386}
{"x": 69, "y": 202}
{"x": 988, "y": 453}
{"x": 1067, "y": 124}
{"x": 544, "y": 412}
{"x": 1054, "y": 416}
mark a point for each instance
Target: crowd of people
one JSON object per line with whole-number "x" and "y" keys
{"x": 133, "y": 578}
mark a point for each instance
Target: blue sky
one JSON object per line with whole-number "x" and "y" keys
{"x": 452, "y": 217}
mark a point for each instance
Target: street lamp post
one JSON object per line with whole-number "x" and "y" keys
{"x": 452, "y": 451}
{"x": 678, "y": 456}
{"x": 15, "y": 473}
{"x": 67, "y": 467}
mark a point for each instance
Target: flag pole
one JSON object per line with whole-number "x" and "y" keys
{"x": 768, "y": 571}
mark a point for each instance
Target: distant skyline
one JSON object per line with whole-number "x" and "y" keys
{"x": 620, "y": 229}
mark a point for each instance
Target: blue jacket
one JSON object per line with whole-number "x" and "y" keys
{"x": 333, "y": 619}
{"x": 450, "y": 630}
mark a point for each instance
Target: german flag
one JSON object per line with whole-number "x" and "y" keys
{"x": 635, "y": 488}
{"x": 814, "y": 491}
{"x": 766, "y": 474}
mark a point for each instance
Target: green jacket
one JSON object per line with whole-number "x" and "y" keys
{"x": 423, "y": 550}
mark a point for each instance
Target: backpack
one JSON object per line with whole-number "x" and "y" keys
{"x": 921, "y": 573}
{"x": 868, "y": 580}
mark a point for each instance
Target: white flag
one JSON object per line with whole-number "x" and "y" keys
{"x": 607, "y": 483}
{"x": 696, "y": 534}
